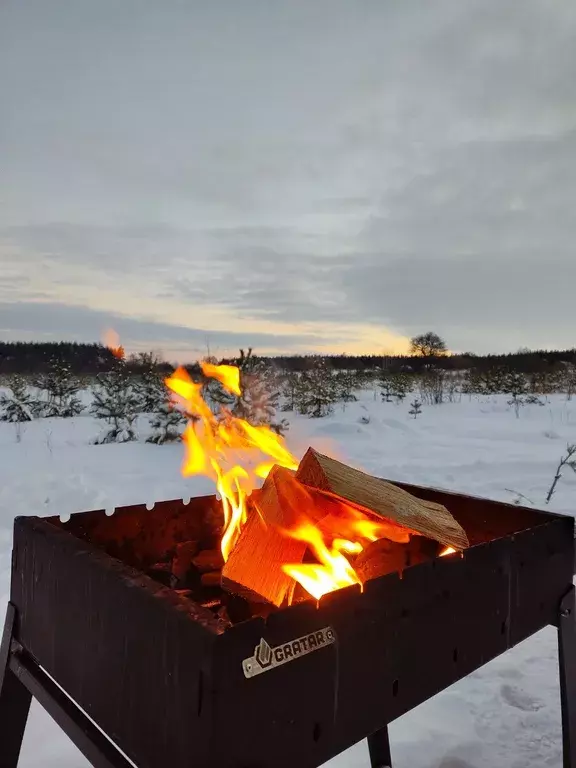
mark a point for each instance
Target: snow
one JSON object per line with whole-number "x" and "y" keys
{"x": 507, "y": 713}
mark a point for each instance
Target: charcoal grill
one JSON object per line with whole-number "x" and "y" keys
{"x": 133, "y": 671}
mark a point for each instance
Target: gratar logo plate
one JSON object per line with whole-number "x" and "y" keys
{"x": 266, "y": 658}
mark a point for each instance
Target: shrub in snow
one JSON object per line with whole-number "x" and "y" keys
{"x": 59, "y": 392}
{"x": 168, "y": 424}
{"x": 565, "y": 461}
{"x": 18, "y": 405}
{"x": 415, "y": 408}
{"x": 116, "y": 402}
{"x": 318, "y": 391}
{"x": 432, "y": 386}
{"x": 259, "y": 397}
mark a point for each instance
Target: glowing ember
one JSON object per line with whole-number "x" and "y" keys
{"x": 447, "y": 551}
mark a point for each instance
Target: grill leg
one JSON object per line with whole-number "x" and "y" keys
{"x": 14, "y": 700}
{"x": 379, "y": 749}
{"x": 567, "y": 658}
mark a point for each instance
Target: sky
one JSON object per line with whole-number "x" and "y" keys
{"x": 303, "y": 176}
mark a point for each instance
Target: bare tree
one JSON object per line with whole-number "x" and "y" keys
{"x": 428, "y": 345}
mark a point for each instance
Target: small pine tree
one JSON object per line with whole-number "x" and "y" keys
{"x": 149, "y": 381}
{"x": 116, "y": 402}
{"x": 319, "y": 391}
{"x": 259, "y": 394}
{"x": 346, "y": 382}
{"x": 494, "y": 381}
{"x": 472, "y": 383}
{"x": 395, "y": 385}
{"x": 151, "y": 391}
{"x": 415, "y": 408}
{"x": 386, "y": 388}
{"x": 59, "y": 388}
{"x": 168, "y": 424}
{"x": 19, "y": 405}
{"x": 290, "y": 390}
{"x": 516, "y": 386}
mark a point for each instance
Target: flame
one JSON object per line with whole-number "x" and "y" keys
{"x": 225, "y": 448}
{"x": 333, "y": 570}
{"x": 111, "y": 340}
{"x": 228, "y": 375}
{"x": 236, "y": 455}
{"x": 447, "y": 551}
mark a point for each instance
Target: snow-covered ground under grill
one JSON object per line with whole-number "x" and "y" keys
{"x": 508, "y": 713}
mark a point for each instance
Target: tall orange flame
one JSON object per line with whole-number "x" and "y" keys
{"x": 228, "y": 375}
{"x": 232, "y": 452}
{"x": 235, "y": 454}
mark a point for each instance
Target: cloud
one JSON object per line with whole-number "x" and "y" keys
{"x": 318, "y": 173}
{"x": 56, "y": 321}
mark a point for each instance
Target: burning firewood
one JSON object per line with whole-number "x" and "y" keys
{"x": 378, "y": 497}
{"x": 383, "y": 556}
{"x": 254, "y": 568}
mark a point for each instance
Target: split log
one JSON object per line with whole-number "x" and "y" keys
{"x": 375, "y": 496}
{"x": 254, "y": 568}
{"x": 383, "y": 556}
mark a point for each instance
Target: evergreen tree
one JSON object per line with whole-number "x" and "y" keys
{"x": 149, "y": 381}
{"x": 346, "y": 382}
{"x": 472, "y": 383}
{"x": 116, "y": 402}
{"x": 59, "y": 388}
{"x": 17, "y": 406}
{"x": 386, "y": 387}
{"x": 290, "y": 391}
{"x": 494, "y": 381}
{"x": 259, "y": 394}
{"x": 415, "y": 408}
{"x": 151, "y": 391}
{"x": 168, "y": 424}
{"x": 318, "y": 391}
{"x": 516, "y": 386}
{"x": 395, "y": 385}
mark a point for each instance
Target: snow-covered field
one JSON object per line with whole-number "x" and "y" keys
{"x": 507, "y": 714}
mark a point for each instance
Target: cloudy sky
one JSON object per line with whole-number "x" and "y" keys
{"x": 302, "y": 175}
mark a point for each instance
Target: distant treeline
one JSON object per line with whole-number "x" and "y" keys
{"x": 36, "y": 357}
{"x": 528, "y": 361}
{"x": 88, "y": 359}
